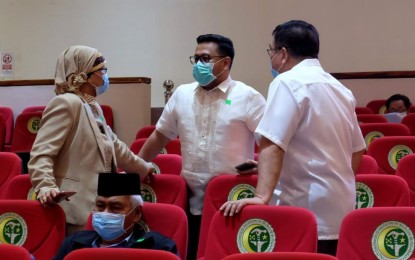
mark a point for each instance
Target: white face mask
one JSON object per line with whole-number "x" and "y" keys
{"x": 109, "y": 226}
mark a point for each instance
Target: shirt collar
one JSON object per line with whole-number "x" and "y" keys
{"x": 307, "y": 63}
{"x": 223, "y": 86}
{"x": 98, "y": 240}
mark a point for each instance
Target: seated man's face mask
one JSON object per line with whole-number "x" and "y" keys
{"x": 109, "y": 226}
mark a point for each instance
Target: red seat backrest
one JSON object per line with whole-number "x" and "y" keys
{"x": 25, "y": 131}
{"x": 219, "y": 190}
{"x": 262, "y": 228}
{"x": 371, "y": 131}
{"x": 378, "y": 106}
{"x": 380, "y": 190}
{"x": 363, "y": 111}
{"x": 175, "y": 227}
{"x": 280, "y": 256}
{"x": 168, "y": 164}
{"x": 34, "y": 109}
{"x": 409, "y": 121}
{"x": 2, "y": 132}
{"x": 377, "y": 233}
{"x": 406, "y": 170}
{"x": 27, "y": 223}
{"x": 172, "y": 147}
{"x": 7, "y": 114}
{"x": 10, "y": 167}
{"x": 145, "y": 131}
{"x": 120, "y": 253}
{"x": 388, "y": 150}
{"x": 13, "y": 252}
{"x": 371, "y": 118}
{"x": 368, "y": 165}
{"x": 20, "y": 188}
{"x": 166, "y": 188}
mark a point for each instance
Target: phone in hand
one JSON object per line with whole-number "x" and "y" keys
{"x": 63, "y": 195}
{"x": 245, "y": 166}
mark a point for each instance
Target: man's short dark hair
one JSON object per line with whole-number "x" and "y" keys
{"x": 225, "y": 45}
{"x": 299, "y": 38}
{"x": 396, "y": 97}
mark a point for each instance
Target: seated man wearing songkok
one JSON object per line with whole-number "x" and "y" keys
{"x": 118, "y": 208}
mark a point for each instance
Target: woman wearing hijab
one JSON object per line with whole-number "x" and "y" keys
{"x": 74, "y": 144}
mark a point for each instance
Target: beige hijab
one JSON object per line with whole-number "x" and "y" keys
{"x": 73, "y": 66}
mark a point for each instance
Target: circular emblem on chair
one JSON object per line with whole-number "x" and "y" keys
{"x": 372, "y": 136}
{"x": 33, "y": 125}
{"x": 156, "y": 168}
{"x": 382, "y": 109}
{"x": 396, "y": 154}
{"x": 148, "y": 193}
{"x": 256, "y": 235}
{"x": 143, "y": 226}
{"x": 13, "y": 229}
{"x": 241, "y": 191}
{"x": 364, "y": 196}
{"x": 31, "y": 195}
{"x": 393, "y": 240}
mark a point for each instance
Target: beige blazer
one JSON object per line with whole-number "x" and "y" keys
{"x": 68, "y": 155}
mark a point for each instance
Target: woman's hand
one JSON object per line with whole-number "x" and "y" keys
{"x": 47, "y": 199}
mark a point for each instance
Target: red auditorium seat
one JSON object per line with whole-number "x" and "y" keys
{"x": 377, "y": 233}
{"x": 166, "y": 188}
{"x": 279, "y": 256}
{"x": 168, "y": 164}
{"x": 145, "y": 131}
{"x": 34, "y": 109}
{"x": 262, "y": 228}
{"x": 389, "y": 150}
{"x": 409, "y": 121}
{"x": 27, "y": 223}
{"x": 25, "y": 130}
{"x": 108, "y": 115}
{"x": 7, "y": 114}
{"x": 381, "y": 191}
{"x": 368, "y": 165}
{"x": 378, "y": 106}
{"x": 20, "y": 188}
{"x": 219, "y": 190}
{"x": 14, "y": 252}
{"x": 120, "y": 253}
{"x": 154, "y": 219}
{"x": 406, "y": 170}
{"x": 371, "y": 118}
{"x": 10, "y": 167}
{"x": 172, "y": 147}
{"x": 2, "y": 132}
{"x": 363, "y": 111}
{"x": 371, "y": 131}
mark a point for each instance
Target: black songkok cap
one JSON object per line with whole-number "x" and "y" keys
{"x": 118, "y": 184}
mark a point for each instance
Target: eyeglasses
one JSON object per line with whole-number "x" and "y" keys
{"x": 270, "y": 50}
{"x": 203, "y": 58}
{"x": 101, "y": 70}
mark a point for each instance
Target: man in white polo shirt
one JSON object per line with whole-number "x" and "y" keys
{"x": 311, "y": 143}
{"x": 215, "y": 118}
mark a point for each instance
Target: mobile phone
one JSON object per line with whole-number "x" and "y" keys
{"x": 245, "y": 166}
{"x": 63, "y": 195}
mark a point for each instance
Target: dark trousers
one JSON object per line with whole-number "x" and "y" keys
{"x": 328, "y": 247}
{"x": 193, "y": 239}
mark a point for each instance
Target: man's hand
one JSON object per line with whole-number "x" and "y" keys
{"x": 231, "y": 208}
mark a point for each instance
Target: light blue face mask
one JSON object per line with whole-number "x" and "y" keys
{"x": 203, "y": 72}
{"x": 109, "y": 226}
{"x": 101, "y": 89}
{"x": 275, "y": 73}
